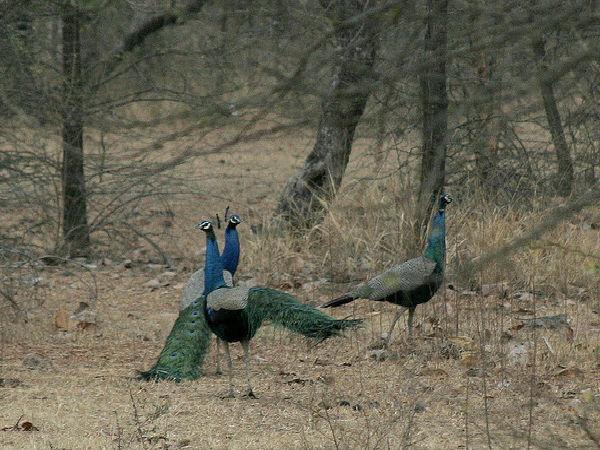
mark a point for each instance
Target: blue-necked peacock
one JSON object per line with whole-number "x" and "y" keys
{"x": 187, "y": 344}
{"x": 412, "y": 282}
{"x": 236, "y": 313}
{"x": 231, "y": 258}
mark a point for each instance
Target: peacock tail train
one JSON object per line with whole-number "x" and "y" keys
{"x": 185, "y": 348}
{"x": 283, "y": 310}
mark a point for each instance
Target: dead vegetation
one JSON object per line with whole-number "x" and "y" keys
{"x": 507, "y": 358}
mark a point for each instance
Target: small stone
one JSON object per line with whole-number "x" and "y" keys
{"x": 377, "y": 354}
{"x": 500, "y": 289}
{"x": 35, "y": 361}
{"x": 10, "y": 382}
{"x": 153, "y": 284}
{"x": 420, "y": 407}
{"x": 107, "y": 262}
{"x": 128, "y": 263}
{"x": 475, "y": 372}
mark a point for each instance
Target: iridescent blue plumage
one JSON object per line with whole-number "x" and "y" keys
{"x": 213, "y": 264}
{"x": 231, "y": 250}
{"x": 235, "y": 314}
{"x": 414, "y": 281}
{"x": 436, "y": 242}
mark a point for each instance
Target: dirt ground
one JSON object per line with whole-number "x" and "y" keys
{"x": 478, "y": 374}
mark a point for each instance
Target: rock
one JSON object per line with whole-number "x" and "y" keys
{"x": 106, "y": 262}
{"x": 475, "y": 372}
{"x": 10, "y": 382}
{"x": 35, "y": 361}
{"x": 377, "y": 354}
{"x": 166, "y": 278}
{"x": 524, "y": 295}
{"x": 36, "y": 281}
{"x": 153, "y": 284}
{"x": 500, "y": 289}
{"x": 519, "y": 353}
{"x": 128, "y": 263}
{"x": 420, "y": 407}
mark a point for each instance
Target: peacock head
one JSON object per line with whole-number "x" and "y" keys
{"x": 445, "y": 199}
{"x": 205, "y": 225}
{"x": 234, "y": 220}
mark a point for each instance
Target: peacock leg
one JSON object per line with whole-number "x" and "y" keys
{"x": 230, "y": 392}
{"x": 249, "y": 392}
{"x": 218, "y": 371}
{"x": 388, "y": 338}
{"x": 411, "y": 314}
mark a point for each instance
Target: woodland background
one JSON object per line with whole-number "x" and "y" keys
{"x": 328, "y": 126}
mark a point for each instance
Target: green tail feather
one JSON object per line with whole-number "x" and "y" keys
{"x": 284, "y": 310}
{"x": 184, "y": 351}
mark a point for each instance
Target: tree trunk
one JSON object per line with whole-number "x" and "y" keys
{"x": 75, "y": 227}
{"x": 488, "y": 123}
{"x": 434, "y": 103}
{"x": 564, "y": 176}
{"x": 306, "y": 193}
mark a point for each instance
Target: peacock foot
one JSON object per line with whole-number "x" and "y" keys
{"x": 249, "y": 393}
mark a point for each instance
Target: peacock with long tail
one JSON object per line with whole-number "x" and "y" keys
{"x": 231, "y": 258}
{"x": 186, "y": 346}
{"x": 235, "y": 314}
{"x": 412, "y": 282}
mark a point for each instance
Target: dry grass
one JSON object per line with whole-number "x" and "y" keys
{"x": 462, "y": 383}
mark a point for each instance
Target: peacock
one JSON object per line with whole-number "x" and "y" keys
{"x": 235, "y": 314}
{"x": 187, "y": 344}
{"x": 231, "y": 258}
{"x": 412, "y": 282}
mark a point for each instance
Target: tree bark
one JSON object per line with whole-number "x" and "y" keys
{"x": 434, "y": 103}
{"x": 75, "y": 226}
{"x": 564, "y": 176}
{"x": 306, "y": 194}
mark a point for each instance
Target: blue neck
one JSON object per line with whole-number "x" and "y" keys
{"x": 231, "y": 252}
{"x": 213, "y": 266}
{"x": 436, "y": 242}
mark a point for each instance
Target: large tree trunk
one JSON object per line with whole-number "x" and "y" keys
{"x": 306, "y": 193}
{"x": 434, "y": 103}
{"x": 488, "y": 124}
{"x": 564, "y": 176}
{"x": 75, "y": 227}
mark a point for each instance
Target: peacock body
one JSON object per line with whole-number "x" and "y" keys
{"x": 235, "y": 314}
{"x": 413, "y": 282}
{"x": 186, "y": 346}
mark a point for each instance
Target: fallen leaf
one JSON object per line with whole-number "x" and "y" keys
{"x": 28, "y": 426}
{"x": 433, "y": 372}
{"x": 61, "y": 319}
{"x": 569, "y": 373}
{"x": 10, "y": 382}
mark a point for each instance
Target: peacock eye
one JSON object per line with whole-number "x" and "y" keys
{"x": 195, "y": 313}
{"x": 174, "y": 355}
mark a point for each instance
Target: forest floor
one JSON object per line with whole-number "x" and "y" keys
{"x": 478, "y": 374}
